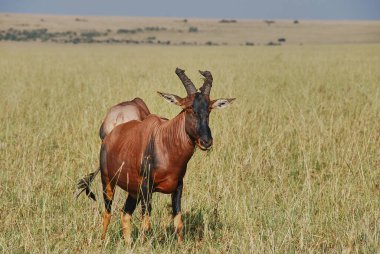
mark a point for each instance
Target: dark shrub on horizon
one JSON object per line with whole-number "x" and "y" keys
{"x": 228, "y": 21}
{"x": 269, "y": 22}
{"x": 271, "y": 43}
{"x": 193, "y": 29}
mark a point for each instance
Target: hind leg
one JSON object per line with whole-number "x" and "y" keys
{"x": 146, "y": 187}
{"x": 108, "y": 191}
{"x": 126, "y": 218}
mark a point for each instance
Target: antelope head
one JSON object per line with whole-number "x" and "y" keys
{"x": 197, "y": 106}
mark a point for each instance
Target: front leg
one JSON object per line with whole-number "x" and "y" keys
{"x": 147, "y": 186}
{"x": 176, "y": 206}
{"x": 146, "y": 206}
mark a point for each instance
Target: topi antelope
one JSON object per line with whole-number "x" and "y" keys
{"x": 145, "y": 153}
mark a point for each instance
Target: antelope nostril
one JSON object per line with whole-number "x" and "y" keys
{"x": 206, "y": 143}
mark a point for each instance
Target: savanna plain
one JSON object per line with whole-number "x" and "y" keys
{"x": 295, "y": 166}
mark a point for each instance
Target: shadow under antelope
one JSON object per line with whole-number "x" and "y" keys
{"x": 143, "y": 153}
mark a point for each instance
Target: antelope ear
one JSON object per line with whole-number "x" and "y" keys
{"x": 221, "y": 103}
{"x": 171, "y": 98}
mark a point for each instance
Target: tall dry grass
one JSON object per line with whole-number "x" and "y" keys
{"x": 295, "y": 165}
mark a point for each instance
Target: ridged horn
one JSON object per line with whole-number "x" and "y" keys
{"x": 189, "y": 86}
{"x": 207, "y": 84}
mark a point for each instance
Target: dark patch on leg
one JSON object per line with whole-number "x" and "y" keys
{"x": 176, "y": 206}
{"x": 130, "y": 205}
{"x": 107, "y": 202}
{"x": 176, "y": 198}
{"x": 146, "y": 196}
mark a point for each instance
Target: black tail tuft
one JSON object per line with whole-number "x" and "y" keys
{"x": 84, "y": 185}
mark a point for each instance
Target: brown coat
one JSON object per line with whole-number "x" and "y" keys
{"x": 126, "y": 149}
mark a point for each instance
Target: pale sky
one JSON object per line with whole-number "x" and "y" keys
{"x": 239, "y": 9}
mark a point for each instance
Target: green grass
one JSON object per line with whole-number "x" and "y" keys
{"x": 294, "y": 168}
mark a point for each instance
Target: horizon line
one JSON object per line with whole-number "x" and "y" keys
{"x": 184, "y": 17}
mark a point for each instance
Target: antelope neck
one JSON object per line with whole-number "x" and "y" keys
{"x": 173, "y": 136}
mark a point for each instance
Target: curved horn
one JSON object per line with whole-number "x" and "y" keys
{"x": 207, "y": 84}
{"x": 189, "y": 86}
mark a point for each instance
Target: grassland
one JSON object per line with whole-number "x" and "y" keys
{"x": 294, "y": 169}
{"x": 145, "y": 30}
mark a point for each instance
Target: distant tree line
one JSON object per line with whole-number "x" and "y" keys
{"x": 44, "y": 35}
{"x": 140, "y": 30}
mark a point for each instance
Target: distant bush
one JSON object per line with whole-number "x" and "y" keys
{"x": 32, "y": 34}
{"x": 155, "y": 28}
{"x": 45, "y": 37}
{"x": 296, "y": 22}
{"x": 126, "y": 31}
{"x": 80, "y": 20}
{"x": 210, "y": 43}
{"x": 269, "y": 22}
{"x": 281, "y": 40}
{"x": 228, "y": 21}
{"x": 248, "y": 43}
{"x": 193, "y": 29}
{"x": 184, "y": 43}
{"x": 164, "y": 42}
{"x": 129, "y": 31}
{"x": 90, "y": 34}
{"x": 132, "y": 42}
{"x": 271, "y": 43}
{"x": 9, "y": 37}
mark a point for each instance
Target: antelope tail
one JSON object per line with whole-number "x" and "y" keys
{"x": 84, "y": 185}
